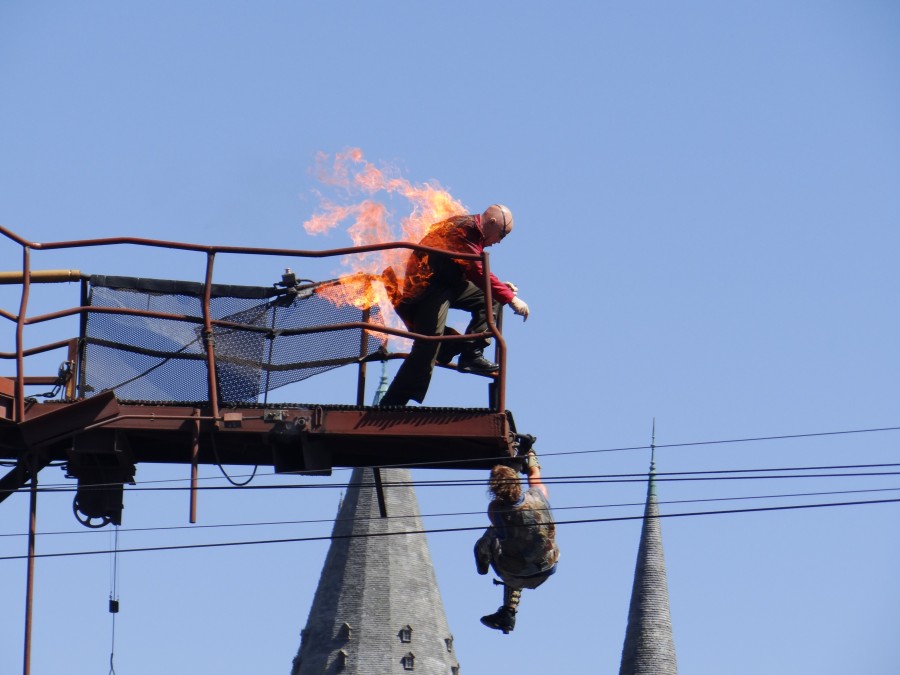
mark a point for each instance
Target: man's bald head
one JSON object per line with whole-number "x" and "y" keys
{"x": 496, "y": 223}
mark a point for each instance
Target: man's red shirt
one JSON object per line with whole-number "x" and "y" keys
{"x": 464, "y": 235}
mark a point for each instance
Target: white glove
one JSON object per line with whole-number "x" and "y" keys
{"x": 511, "y": 286}
{"x": 520, "y": 307}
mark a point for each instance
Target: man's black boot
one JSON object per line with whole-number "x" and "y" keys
{"x": 473, "y": 361}
{"x": 503, "y": 619}
{"x": 448, "y": 350}
{"x": 391, "y": 399}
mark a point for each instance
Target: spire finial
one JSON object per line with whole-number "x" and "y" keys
{"x": 382, "y": 385}
{"x": 651, "y": 488}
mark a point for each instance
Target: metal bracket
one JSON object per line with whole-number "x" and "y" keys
{"x": 274, "y": 416}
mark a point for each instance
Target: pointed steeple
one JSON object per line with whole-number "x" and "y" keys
{"x": 649, "y": 647}
{"x": 377, "y": 608}
{"x": 382, "y": 385}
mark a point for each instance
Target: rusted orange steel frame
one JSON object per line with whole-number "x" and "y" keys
{"x": 195, "y": 455}
{"x": 19, "y": 414}
{"x": 462, "y": 438}
{"x": 325, "y": 328}
{"x": 208, "y": 337}
{"x": 208, "y": 322}
{"x": 301, "y": 253}
{"x": 20, "y": 336}
{"x": 501, "y": 343}
{"x": 37, "y": 350}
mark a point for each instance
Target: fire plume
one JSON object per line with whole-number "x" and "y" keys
{"x": 368, "y": 221}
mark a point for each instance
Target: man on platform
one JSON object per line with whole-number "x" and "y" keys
{"x": 436, "y": 283}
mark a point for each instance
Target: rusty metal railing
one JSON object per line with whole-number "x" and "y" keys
{"x": 27, "y": 276}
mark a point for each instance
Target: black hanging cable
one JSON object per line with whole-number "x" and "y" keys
{"x": 231, "y": 480}
{"x": 149, "y": 370}
{"x": 114, "y": 597}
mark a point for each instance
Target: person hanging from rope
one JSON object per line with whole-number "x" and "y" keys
{"x": 520, "y": 544}
{"x": 436, "y": 283}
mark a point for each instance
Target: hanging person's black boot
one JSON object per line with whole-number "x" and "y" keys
{"x": 473, "y": 361}
{"x": 503, "y": 619}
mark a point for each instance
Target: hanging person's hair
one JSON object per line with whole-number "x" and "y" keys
{"x": 504, "y": 484}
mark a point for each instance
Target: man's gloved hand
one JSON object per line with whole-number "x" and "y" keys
{"x": 520, "y": 307}
{"x": 531, "y": 461}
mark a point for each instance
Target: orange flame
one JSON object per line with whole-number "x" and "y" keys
{"x": 370, "y": 223}
{"x": 359, "y": 289}
{"x": 349, "y": 170}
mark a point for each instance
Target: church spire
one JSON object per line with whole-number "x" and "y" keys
{"x": 649, "y": 647}
{"x": 377, "y": 608}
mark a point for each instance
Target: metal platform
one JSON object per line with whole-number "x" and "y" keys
{"x": 292, "y": 438}
{"x": 206, "y": 353}
{"x": 228, "y": 346}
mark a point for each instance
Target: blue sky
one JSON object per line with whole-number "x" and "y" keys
{"x": 706, "y": 231}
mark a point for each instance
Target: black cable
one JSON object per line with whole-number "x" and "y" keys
{"x": 315, "y": 521}
{"x": 578, "y": 479}
{"x": 587, "y": 479}
{"x": 666, "y": 476}
{"x": 114, "y": 600}
{"x": 182, "y": 547}
{"x": 573, "y": 452}
{"x": 215, "y": 448}
{"x": 719, "y": 442}
{"x": 605, "y": 450}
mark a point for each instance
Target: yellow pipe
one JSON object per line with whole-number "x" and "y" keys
{"x": 41, "y": 276}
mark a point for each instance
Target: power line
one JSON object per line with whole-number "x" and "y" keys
{"x": 731, "y": 440}
{"x": 671, "y": 476}
{"x": 432, "y": 464}
{"x": 316, "y": 521}
{"x": 596, "y": 479}
{"x": 583, "y": 521}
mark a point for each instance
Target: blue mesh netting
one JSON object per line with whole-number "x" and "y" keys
{"x": 161, "y": 359}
